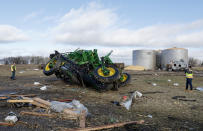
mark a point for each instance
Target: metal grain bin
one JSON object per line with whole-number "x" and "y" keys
{"x": 145, "y": 58}
{"x": 158, "y": 59}
{"x": 174, "y": 55}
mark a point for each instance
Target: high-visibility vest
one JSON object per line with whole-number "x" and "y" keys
{"x": 189, "y": 74}
{"x": 13, "y": 68}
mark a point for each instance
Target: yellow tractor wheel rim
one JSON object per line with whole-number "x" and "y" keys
{"x": 125, "y": 77}
{"x": 47, "y": 68}
{"x": 112, "y": 71}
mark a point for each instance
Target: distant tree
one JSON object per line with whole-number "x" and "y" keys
{"x": 194, "y": 62}
{"x": 201, "y": 63}
{"x": 26, "y": 60}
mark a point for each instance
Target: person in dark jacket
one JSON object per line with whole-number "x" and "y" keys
{"x": 189, "y": 77}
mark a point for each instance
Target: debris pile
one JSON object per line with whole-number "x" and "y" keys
{"x": 54, "y": 109}
{"x": 125, "y": 102}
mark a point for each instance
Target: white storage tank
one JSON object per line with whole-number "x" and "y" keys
{"x": 145, "y": 58}
{"x": 173, "y": 56}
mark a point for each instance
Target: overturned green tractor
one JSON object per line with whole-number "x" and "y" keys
{"x": 84, "y": 67}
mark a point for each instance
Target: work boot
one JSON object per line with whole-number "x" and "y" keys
{"x": 186, "y": 90}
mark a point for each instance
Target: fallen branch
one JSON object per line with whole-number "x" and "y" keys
{"x": 6, "y": 124}
{"x": 28, "y": 95}
{"x": 37, "y": 114}
{"x": 106, "y": 126}
{"x": 22, "y": 122}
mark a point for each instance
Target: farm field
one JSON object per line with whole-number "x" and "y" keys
{"x": 160, "y": 106}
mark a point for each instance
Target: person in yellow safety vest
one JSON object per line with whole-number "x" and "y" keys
{"x": 13, "y": 70}
{"x": 189, "y": 77}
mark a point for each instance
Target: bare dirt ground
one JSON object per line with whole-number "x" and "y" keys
{"x": 167, "y": 113}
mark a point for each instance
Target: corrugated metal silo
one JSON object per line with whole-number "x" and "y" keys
{"x": 145, "y": 58}
{"x": 173, "y": 55}
{"x": 158, "y": 59}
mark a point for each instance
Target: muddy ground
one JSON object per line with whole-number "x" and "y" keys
{"x": 167, "y": 113}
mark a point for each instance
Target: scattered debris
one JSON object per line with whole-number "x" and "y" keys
{"x": 6, "y": 124}
{"x": 19, "y": 101}
{"x": 175, "y": 84}
{"x": 137, "y": 93}
{"x": 33, "y": 101}
{"x": 150, "y": 116}
{"x": 65, "y": 100}
{"x": 36, "y": 83}
{"x": 35, "y": 69}
{"x": 199, "y": 88}
{"x": 11, "y": 118}
{"x": 187, "y": 100}
{"x": 177, "y": 97}
{"x": 127, "y": 103}
{"x": 72, "y": 110}
{"x": 37, "y": 114}
{"x": 4, "y": 97}
{"x": 106, "y": 126}
{"x": 124, "y": 98}
{"x": 182, "y": 98}
{"x": 43, "y": 88}
{"x": 154, "y": 84}
{"x": 27, "y": 95}
{"x": 70, "y": 113}
{"x": 82, "y": 119}
{"x": 75, "y": 105}
{"x": 152, "y": 92}
{"x": 169, "y": 80}
{"x": 115, "y": 103}
{"x": 21, "y": 72}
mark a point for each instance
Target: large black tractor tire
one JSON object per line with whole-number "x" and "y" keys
{"x": 126, "y": 79}
{"x": 113, "y": 75}
{"x": 48, "y": 70}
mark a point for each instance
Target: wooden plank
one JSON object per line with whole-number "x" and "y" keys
{"x": 69, "y": 114}
{"x": 39, "y": 104}
{"x": 106, "y": 126}
{"x": 82, "y": 119}
{"x": 36, "y": 103}
{"x": 37, "y": 114}
{"x": 20, "y": 101}
{"x": 26, "y": 98}
{"x": 47, "y": 103}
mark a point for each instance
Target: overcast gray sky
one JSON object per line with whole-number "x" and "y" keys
{"x": 37, "y": 27}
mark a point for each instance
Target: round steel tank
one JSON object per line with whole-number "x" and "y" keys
{"x": 158, "y": 59}
{"x": 145, "y": 58}
{"x": 172, "y": 55}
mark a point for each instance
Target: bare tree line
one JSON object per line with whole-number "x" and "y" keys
{"x": 26, "y": 60}
{"x": 195, "y": 62}
{"x": 43, "y": 60}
